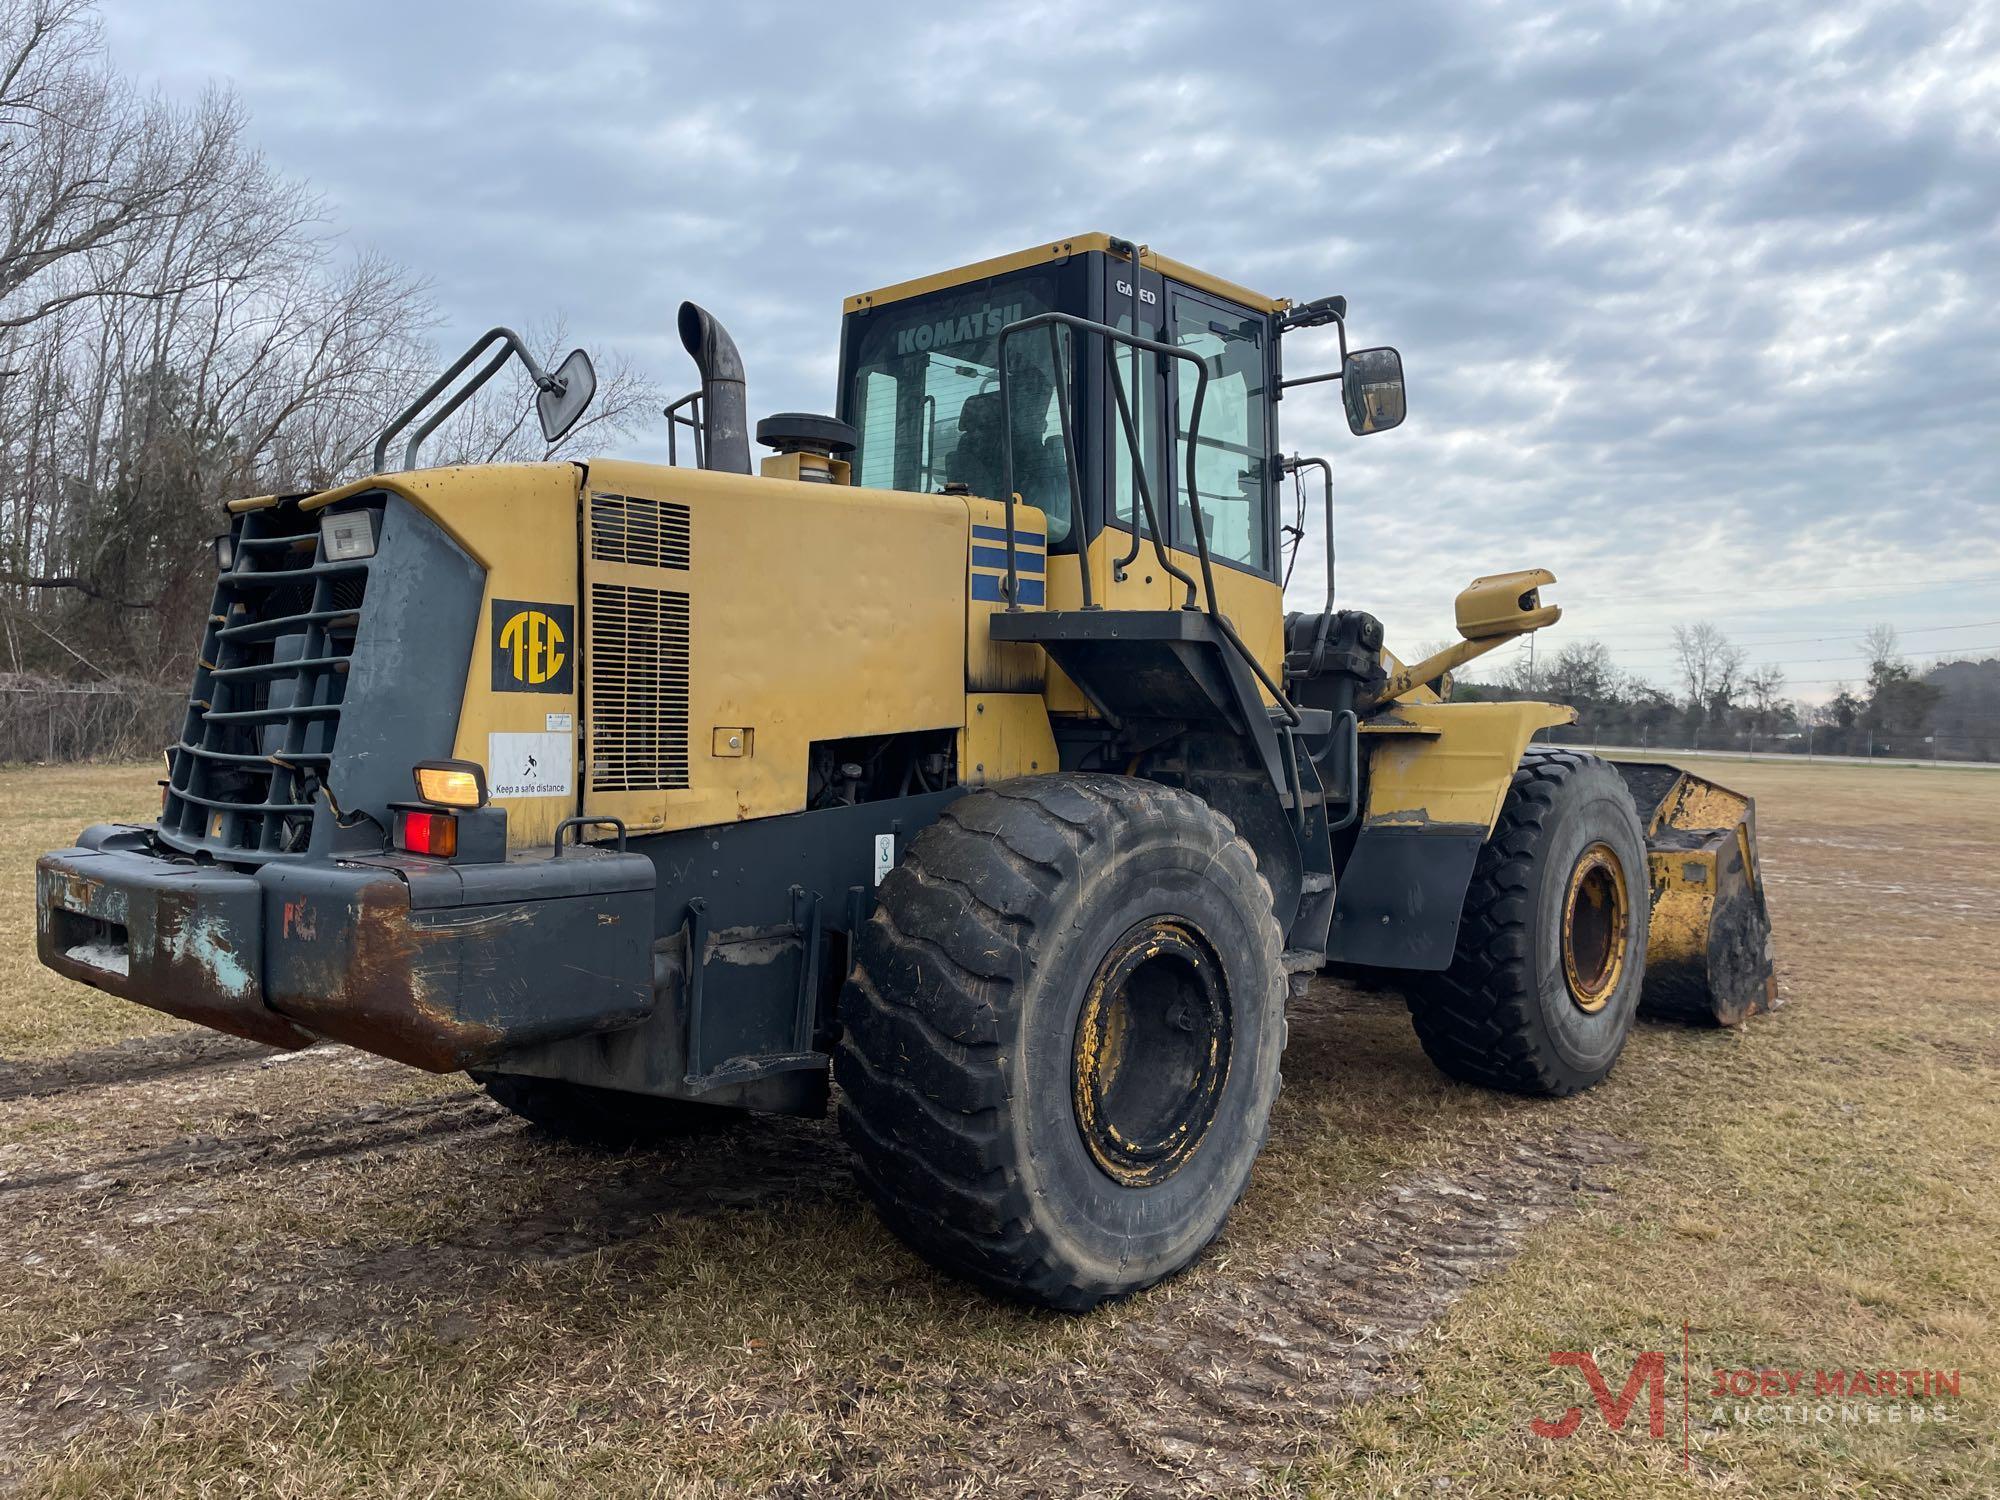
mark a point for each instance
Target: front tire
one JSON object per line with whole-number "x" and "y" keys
{"x": 1551, "y": 949}
{"x": 1061, "y": 1036}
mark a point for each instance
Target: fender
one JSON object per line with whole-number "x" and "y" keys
{"x": 1448, "y": 764}
{"x": 1437, "y": 774}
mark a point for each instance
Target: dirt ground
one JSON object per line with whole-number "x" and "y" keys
{"x": 226, "y": 1271}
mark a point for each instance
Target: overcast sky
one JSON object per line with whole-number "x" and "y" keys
{"x": 1700, "y": 305}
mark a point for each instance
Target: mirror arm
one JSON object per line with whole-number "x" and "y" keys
{"x": 1286, "y": 385}
{"x": 512, "y": 341}
{"x": 1327, "y": 310}
{"x": 443, "y": 413}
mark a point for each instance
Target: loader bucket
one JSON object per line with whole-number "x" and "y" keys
{"x": 1709, "y": 958}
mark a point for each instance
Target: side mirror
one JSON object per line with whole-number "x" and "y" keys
{"x": 1371, "y": 383}
{"x": 569, "y": 391}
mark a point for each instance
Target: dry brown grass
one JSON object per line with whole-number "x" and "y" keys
{"x": 44, "y": 808}
{"x": 278, "y": 1311}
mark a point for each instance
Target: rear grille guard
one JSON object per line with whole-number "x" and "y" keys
{"x": 258, "y": 736}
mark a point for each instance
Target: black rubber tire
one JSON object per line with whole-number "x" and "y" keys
{"x": 609, "y": 1119}
{"x": 956, "y": 1064}
{"x": 1502, "y": 1015}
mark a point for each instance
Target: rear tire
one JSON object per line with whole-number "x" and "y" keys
{"x": 609, "y": 1119}
{"x": 1061, "y": 1036}
{"x": 1521, "y": 1008}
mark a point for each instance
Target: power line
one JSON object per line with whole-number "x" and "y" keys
{"x": 1814, "y": 640}
{"x": 1806, "y": 661}
{"x": 1928, "y": 581}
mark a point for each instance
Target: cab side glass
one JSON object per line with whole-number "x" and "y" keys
{"x": 1371, "y": 384}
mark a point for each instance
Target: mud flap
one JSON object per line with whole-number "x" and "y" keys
{"x": 1709, "y": 958}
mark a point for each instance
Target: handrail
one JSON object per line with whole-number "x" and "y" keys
{"x": 1350, "y": 721}
{"x": 514, "y": 345}
{"x": 1051, "y": 320}
{"x": 1292, "y": 466}
{"x": 675, "y": 421}
{"x": 1069, "y": 320}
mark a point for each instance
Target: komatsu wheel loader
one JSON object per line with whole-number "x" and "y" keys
{"x": 962, "y": 756}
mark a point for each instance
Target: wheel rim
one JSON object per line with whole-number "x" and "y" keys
{"x": 1152, "y": 1052}
{"x": 1594, "y": 928}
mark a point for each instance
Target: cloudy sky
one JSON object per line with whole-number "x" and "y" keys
{"x": 1700, "y": 305}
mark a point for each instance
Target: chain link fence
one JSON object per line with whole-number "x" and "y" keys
{"x": 47, "y": 722}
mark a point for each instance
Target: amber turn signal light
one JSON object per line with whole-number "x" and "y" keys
{"x": 451, "y": 783}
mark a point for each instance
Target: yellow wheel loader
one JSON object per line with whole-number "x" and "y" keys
{"x": 962, "y": 756}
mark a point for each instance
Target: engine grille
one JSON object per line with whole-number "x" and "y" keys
{"x": 633, "y": 529}
{"x": 638, "y": 688}
{"x": 259, "y": 732}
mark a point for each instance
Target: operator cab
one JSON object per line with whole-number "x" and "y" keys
{"x": 920, "y": 384}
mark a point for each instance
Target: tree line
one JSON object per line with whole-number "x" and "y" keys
{"x": 1718, "y": 700}
{"x": 180, "y": 324}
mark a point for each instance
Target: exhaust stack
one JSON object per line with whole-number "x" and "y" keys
{"x": 725, "y": 407}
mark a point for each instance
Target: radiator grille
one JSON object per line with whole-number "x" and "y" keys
{"x": 631, "y": 529}
{"x": 258, "y": 736}
{"x": 638, "y": 689}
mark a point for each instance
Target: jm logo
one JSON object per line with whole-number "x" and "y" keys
{"x": 1648, "y": 1374}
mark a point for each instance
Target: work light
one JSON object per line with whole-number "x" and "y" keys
{"x": 348, "y": 536}
{"x": 451, "y": 783}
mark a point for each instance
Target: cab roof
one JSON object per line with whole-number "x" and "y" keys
{"x": 1059, "y": 250}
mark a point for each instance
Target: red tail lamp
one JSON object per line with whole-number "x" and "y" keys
{"x": 425, "y": 832}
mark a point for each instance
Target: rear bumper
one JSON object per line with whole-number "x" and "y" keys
{"x": 441, "y": 966}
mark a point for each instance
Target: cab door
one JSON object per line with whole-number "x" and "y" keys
{"x": 1140, "y": 583}
{"x": 1234, "y": 465}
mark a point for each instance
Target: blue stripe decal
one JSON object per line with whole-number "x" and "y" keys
{"x": 999, "y": 534}
{"x": 986, "y": 588}
{"x": 996, "y": 557}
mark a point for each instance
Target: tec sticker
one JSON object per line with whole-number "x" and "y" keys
{"x": 533, "y": 647}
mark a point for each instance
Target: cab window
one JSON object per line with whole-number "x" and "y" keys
{"x": 926, "y": 397}
{"x": 1232, "y": 453}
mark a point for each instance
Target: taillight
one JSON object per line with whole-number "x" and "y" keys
{"x": 432, "y": 833}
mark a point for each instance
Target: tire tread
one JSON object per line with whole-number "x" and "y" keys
{"x": 921, "y": 1063}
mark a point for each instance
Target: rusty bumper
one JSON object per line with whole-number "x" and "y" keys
{"x": 441, "y": 966}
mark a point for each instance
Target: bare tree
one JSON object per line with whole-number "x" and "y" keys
{"x": 1711, "y": 667}
{"x": 1883, "y": 647}
{"x": 94, "y": 175}
{"x": 178, "y": 326}
{"x": 1581, "y": 674}
{"x": 1766, "y": 689}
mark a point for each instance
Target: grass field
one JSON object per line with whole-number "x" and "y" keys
{"x": 45, "y": 808}
{"x": 319, "y": 1275}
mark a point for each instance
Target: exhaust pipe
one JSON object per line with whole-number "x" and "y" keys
{"x": 725, "y": 408}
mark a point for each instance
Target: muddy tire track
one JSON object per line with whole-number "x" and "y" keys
{"x": 1211, "y": 1392}
{"x": 140, "y": 1060}
{"x": 373, "y": 1128}
{"x": 305, "y": 1297}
